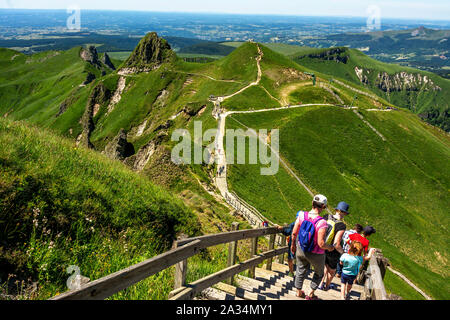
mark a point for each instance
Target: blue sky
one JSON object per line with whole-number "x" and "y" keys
{"x": 430, "y": 9}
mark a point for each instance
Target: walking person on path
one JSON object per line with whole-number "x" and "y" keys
{"x": 287, "y": 232}
{"x": 351, "y": 264}
{"x": 345, "y": 246}
{"x": 308, "y": 242}
{"x": 364, "y": 238}
{"x": 335, "y": 231}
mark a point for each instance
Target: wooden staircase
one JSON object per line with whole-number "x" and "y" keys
{"x": 276, "y": 284}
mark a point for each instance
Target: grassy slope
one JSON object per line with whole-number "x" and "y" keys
{"x": 388, "y": 184}
{"x": 419, "y": 102}
{"x": 94, "y": 212}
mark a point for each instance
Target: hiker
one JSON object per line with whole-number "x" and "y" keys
{"x": 335, "y": 231}
{"x": 351, "y": 263}
{"x": 287, "y": 232}
{"x": 308, "y": 243}
{"x": 364, "y": 238}
{"x": 345, "y": 246}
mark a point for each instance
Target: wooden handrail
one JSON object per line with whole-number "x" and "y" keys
{"x": 106, "y": 286}
{"x": 374, "y": 286}
{"x": 220, "y": 238}
{"x": 190, "y": 291}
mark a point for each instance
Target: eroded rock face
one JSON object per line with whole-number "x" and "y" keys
{"x": 99, "y": 96}
{"x": 107, "y": 61}
{"x": 90, "y": 55}
{"x": 404, "y": 81}
{"x": 119, "y": 148}
{"x": 400, "y": 81}
{"x": 117, "y": 94}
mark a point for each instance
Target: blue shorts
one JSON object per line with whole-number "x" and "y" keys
{"x": 347, "y": 279}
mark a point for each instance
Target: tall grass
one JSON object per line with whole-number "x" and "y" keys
{"x": 61, "y": 206}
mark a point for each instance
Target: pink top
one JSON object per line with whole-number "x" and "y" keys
{"x": 320, "y": 225}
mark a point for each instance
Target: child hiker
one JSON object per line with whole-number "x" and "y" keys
{"x": 351, "y": 263}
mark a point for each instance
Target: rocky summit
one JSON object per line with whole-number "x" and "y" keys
{"x": 149, "y": 54}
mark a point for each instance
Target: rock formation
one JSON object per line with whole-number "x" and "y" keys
{"x": 149, "y": 54}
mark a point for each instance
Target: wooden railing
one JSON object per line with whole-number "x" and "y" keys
{"x": 373, "y": 285}
{"x": 184, "y": 248}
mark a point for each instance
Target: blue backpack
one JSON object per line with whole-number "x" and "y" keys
{"x": 306, "y": 233}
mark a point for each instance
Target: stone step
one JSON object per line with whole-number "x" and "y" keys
{"x": 215, "y": 294}
{"x": 241, "y": 293}
{"x": 263, "y": 287}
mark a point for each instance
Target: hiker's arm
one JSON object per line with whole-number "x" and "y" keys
{"x": 294, "y": 236}
{"x": 337, "y": 242}
{"x": 368, "y": 256}
{"x": 321, "y": 240}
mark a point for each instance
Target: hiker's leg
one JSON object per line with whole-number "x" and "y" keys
{"x": 291, "y": 265}
{"x": 302, "y": 269}
{"x": 318, "y": 261}
{"x": 343, "y": 289}
{"x": 349, "y": 288}
{"x": 330, "y": 275}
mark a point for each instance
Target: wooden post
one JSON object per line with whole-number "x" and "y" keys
{"x": 271, "y": 246}
{"x": 254, "y": 248}
{"x": 180, "y": 268}
{"x": 232, "y": 247}
{"x": 378, "y": 290}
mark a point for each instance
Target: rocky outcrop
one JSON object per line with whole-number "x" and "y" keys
{"x": 404, "y": 81}
{"x": 107, "y": 61}
{"x": 400, "y": 81}
{"x": 142, "y": 157}
{"x": 119, "y": 148}
{"x": 90, "y": 55}
{"x": 149, "y": 54}
{"x": 99, "y": 96}
{"x": 117, "y": 94}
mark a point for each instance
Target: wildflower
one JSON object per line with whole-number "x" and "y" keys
{"x": 36, "y": 212}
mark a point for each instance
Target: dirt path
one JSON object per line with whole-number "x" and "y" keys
{"x": 410, "y": 283}
{"x": 221, "y": 115}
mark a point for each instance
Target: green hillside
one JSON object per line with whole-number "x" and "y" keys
{"x": 129, "y": 114}
{"x": 424, "y": 93}
{"x": 61, "y": 205}
{"x": 400, "y": 186}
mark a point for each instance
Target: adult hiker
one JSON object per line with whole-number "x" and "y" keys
{"x": 308, "y": 242}
{"x": 287, "y": 232}
{"x": 345, "y": 246}
{"x": 335, "y": 230}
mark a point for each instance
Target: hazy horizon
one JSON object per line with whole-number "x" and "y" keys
{"x": 432, "y": 10}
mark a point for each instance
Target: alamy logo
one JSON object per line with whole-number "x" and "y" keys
{"x": 74, "y": 20}
{"x": 374, "y": 18}
{"x": 262, "y": 148}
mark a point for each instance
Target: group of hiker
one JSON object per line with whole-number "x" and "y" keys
{"x": 325, "y": 244}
